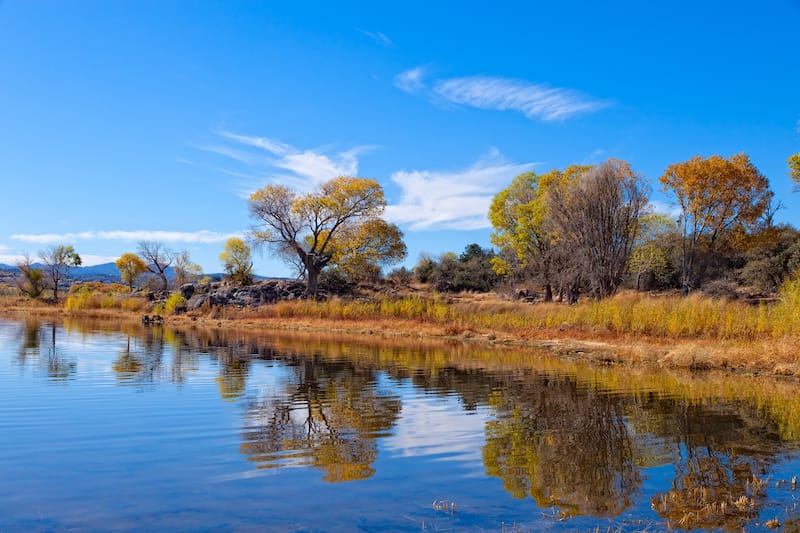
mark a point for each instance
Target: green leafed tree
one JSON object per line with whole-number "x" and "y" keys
{"x": 650, "y": 253}
{"x": 57, "y": 261}
{"x": 237, "y": 260}
{"x": 307, "y": 229}
{"x": 130, "y": 267}
{"x": 523, "y": 229}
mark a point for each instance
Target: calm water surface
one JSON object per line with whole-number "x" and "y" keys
{"x": 130, "y": 428}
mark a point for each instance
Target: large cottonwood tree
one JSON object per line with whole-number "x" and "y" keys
{"x": 308, "y": 229}
{"x": 716, "y": 195}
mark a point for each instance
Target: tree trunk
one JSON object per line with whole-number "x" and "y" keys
{"x": 548, "y": 292}
{"x": 312, "y": 275}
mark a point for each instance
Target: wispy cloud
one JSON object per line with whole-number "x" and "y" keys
{"x": 410, "y": 80}
{"x": 378, "y": 37}
{"x": 534, "y": 100}
{"x": 282, "y": 163}
{"x": 452, "y": 200}
{"x": 200, "y": 237}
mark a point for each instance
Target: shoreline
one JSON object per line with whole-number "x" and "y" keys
{"x": 755, "y": 357}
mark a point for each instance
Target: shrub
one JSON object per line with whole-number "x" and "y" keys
{"x": 174, "y": 301}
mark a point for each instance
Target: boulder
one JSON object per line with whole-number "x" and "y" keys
{"x": 187, "y": 290}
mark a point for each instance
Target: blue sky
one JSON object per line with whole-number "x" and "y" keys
{"x": 124, "y": 121}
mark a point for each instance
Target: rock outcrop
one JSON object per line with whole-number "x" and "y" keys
{"x": 223, "y": 293}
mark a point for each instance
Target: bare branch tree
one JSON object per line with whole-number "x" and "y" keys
{"x": 158, "y": 258}
{"x": 597, "y": 220}
{"x": 57, "y": 262}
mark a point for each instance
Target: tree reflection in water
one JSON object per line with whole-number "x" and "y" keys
{"x": 579, "y": 438}
{"x": 59, "y": 367}
{"x": 581, "y": 449}
{"x": 328, "y": 415}
{"x": 723, "y": 452}
{"x": 143, "y": 362}
{"x": 564, "y": 445}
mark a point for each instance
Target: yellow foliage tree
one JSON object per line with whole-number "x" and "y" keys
{"x": 522, "y": 230}
{"x": 130, "y": 267}
{"x": 237, "y": 260}
{"x": 304, "y": 228}
{"x": 794, "y": 169}
{"x": 715, "y": 195}
{"x": 362, "y": 249}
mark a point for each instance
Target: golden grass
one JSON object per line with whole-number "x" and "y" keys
{"x": 668, "y": 330}
{"x": 660, "y": 317}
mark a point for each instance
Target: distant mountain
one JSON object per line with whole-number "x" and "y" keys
{"x": 106, "y": 269}
{"x": 104, "y": 272}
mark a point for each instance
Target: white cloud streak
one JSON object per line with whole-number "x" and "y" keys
{"x": 200, "y": 237}
{"x": 411, "y": 80}
{"x": 285, "y": 164}
{"x": 452, "y": 200}
{"x": 534, "y": 100}
{"x": 378, "y": 37}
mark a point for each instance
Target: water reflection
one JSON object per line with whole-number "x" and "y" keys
{"x": 39, "y": 346}
{"x": 328, "y": 415}
{"x": 582, "y": 439}
{"x": 562, "y": 444}
{"x": 722, "y": 455}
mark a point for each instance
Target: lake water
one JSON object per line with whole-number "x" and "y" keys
{"x": 121, "y": 427}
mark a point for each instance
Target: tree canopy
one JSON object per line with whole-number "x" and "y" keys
{"x": 794, "y": 169}
{"x": 570, "y": 227}
{"x": 130, "y": 267}
{"x": 716, "y": 195}
{"x": 523, "y": 229}
{"x": 310, "y": 229}
{"x": 237, "y": 260}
